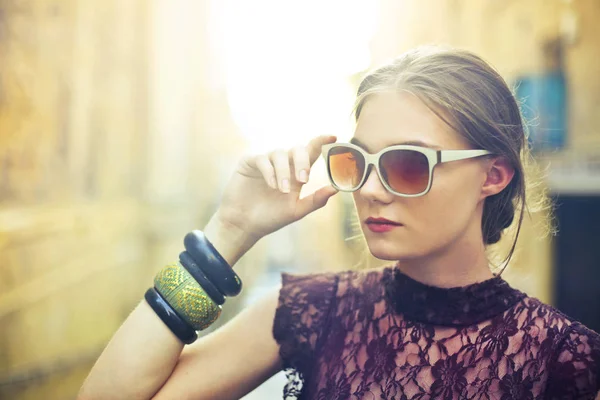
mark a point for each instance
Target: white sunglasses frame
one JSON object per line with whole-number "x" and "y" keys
{"x": 434, "y": 157}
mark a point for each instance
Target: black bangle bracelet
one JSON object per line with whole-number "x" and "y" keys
{"x": 190, "y": 265}
{"x": 174, "y": 322}
{"x": 212, "y": 263}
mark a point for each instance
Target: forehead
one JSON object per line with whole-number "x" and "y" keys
{"x": 398, "y": 117}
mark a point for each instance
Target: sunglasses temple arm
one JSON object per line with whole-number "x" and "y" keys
{"x": 455, "y": 155}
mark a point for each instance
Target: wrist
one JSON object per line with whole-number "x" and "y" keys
{"x": 231, "y": 241}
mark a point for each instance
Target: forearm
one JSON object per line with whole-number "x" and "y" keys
{"x": 137, "y": 361}
{"x": 143, "y": 352}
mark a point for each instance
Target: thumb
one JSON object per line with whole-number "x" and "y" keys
{"x": 314, "y": 201}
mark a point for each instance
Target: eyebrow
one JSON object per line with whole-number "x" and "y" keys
{"x": 357, "y": 142}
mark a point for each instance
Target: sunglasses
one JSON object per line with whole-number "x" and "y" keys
{"x": 404, "y": 170}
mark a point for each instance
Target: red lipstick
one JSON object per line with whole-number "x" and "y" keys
{"x": 379, "y": 225}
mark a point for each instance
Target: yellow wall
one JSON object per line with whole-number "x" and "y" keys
{"x": 108, "y": 140}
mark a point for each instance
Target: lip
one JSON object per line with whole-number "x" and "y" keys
{"x": 373, "y": 220}
{"x": 381, "y": 224}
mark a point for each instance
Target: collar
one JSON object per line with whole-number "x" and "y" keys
{"x": 456, "y": 306}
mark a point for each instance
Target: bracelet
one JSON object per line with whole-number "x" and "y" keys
{"x": 178, "y": 326}
{"x": 188, "y": 263}
{"x": 186, "y": 296}
{"x": 212, "y": 263}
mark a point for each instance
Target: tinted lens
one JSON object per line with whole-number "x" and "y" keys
{"x": 406, "y": 171}
{"x": 346, "y": 167}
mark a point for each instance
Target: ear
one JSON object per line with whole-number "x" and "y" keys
{"x": 499, "y": 175}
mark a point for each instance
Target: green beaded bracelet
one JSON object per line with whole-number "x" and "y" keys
{"x": 186, "y": 296}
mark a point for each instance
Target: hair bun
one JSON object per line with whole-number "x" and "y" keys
{"x": 500, "y": 213}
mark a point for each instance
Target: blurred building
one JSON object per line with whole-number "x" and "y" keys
{"x": 113, "y": 142}
{"x": 120, "y": 122}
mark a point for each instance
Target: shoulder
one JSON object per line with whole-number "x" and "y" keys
{"x": 309, "y": 284}
{"x": 303, "y": 306}
{"x": 573, "y": 350}
{"x": 318, "y": 287}
{"x": 534, "y": 310}
{"x": 557, "y": 325}
{"x": 299, "y": 292}
{"x": 306, "y": 304}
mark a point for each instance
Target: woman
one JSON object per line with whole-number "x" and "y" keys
{"x": 436, "y": 171}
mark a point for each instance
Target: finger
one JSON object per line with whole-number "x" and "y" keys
{"x": 301, "y": 163}
{"x": 281, "y": 162}
{"x": 265, "y": 167}
{"x": 314, "y": 146}
{"x": 314, "y": 201}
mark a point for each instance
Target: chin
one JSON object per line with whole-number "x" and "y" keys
{"x": 390, "y": 250}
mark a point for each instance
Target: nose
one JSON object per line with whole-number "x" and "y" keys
{"x": 373, "y": 189}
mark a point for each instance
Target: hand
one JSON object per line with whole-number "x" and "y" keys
{"x": 263, "y": 194}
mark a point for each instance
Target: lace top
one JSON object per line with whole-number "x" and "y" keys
{"x": 379, "y": 334}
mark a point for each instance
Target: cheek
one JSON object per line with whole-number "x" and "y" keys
{"x": 432, "y": 221}
{"x": 450, "y": 204}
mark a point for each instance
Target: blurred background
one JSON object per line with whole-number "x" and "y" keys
{"x": 120, "y": 122}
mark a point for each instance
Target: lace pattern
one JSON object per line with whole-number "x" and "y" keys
{"x": 298, "y": 324}
{"x": 381, "y": 335}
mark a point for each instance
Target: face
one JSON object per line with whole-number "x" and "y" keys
{"x": 448, "y": 213}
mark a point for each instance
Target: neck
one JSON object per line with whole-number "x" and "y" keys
{"x": 461, "y": 263}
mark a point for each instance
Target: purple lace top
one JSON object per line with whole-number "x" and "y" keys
{"x": 379, "y": 334}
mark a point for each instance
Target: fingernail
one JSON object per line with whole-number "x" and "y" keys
{"x": 285, "y": 185}
{"x": 273, "y": 183}
{"x": 303, "y": 177}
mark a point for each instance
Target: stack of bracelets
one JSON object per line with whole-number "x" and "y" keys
{"x": 187, "y": 295}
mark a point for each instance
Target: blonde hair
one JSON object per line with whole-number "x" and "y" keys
{"x": 472, "y": 98}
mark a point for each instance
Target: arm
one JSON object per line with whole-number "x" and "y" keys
{"x": 230, "y": 362}
{"x": 144, "y": 354}
{"x": 144, "y": 359}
